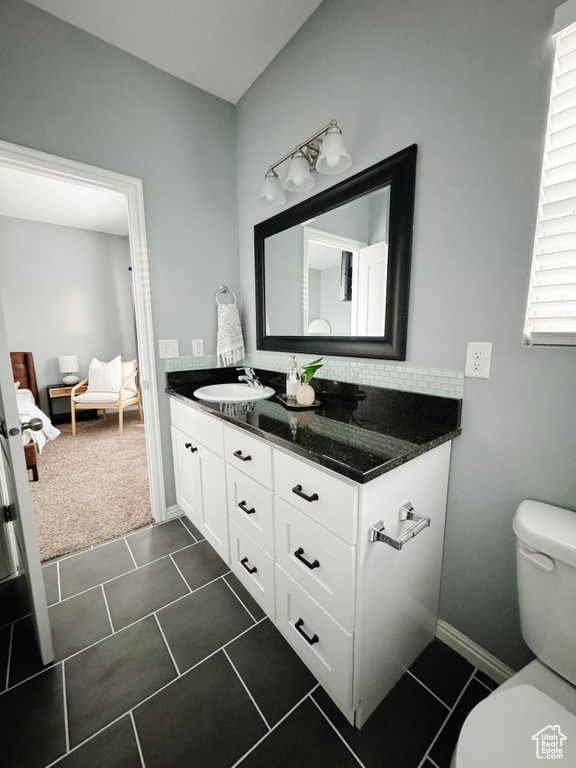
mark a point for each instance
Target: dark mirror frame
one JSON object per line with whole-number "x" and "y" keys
{"x": 398, "y": 171}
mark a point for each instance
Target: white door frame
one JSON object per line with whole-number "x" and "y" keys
{"x": 40, "y": 163}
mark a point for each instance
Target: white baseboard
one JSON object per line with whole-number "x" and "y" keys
{"x": 473, "y": 653}
{"x": 173, "y": 511}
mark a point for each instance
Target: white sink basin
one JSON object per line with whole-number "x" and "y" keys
{"x": 232, "y": 393}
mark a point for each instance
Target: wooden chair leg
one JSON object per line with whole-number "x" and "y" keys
{"x": 104, "y": 413}
{"x": 73, "y": 411}
{"x": 121, "y": 420}
{"x": 140, "y": 406}
{"x": 34, "y": 469}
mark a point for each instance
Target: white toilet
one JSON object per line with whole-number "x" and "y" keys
{"x": 532, "y": 716}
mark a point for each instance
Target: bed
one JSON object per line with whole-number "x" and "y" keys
{"x": 27, "y": 396}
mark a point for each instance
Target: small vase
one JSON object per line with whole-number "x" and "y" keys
{"x": 305, "y": 395}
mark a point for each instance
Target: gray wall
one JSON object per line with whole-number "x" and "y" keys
{"x": 65, "y": 291}
{"x": 65, "y": 92}
{"x": 467, "y": 81}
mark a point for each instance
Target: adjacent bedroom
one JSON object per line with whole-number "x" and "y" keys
{"x": 66, "y": 289}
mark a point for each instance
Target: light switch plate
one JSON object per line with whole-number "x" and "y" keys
{"x": 478, "y": 359}
{"x": 168, "y": 348}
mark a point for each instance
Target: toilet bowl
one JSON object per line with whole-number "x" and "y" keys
{"x": 532, "y": 716}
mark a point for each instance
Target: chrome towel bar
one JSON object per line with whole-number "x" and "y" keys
{"x": 377, "y": 531}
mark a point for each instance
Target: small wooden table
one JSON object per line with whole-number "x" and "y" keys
{"x": 58, "y": 396}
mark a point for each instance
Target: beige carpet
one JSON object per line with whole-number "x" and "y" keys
{"x": 91, "y": 487}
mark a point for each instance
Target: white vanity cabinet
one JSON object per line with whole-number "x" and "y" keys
{"x": 357, "y": 612}
{"x": 200, "y": 476}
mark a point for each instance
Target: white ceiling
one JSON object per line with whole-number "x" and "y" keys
{"x": 26, "y": 195}
{"x": 221, "y": 46}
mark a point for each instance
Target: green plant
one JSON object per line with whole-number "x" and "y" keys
{"x": 310, "y": 369}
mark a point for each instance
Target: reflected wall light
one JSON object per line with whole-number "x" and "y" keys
{"x": 324, "y": 152}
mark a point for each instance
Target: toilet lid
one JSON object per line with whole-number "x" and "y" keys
{"x": 517, "y": 728}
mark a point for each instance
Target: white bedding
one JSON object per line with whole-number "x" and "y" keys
{"x": 26, "y": 410}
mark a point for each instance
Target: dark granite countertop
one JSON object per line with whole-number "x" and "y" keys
{"x": 358, "y": 431}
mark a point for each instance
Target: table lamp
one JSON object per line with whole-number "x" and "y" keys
{"x": 69, "y": 365}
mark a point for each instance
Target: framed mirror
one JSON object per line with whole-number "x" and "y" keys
{"x": 333, "y": 272}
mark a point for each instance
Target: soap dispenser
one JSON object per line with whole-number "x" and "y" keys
{"x": 293, "y": 380}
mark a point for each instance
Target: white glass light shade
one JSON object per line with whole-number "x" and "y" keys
{"x": 272, "y": 191}
{"x": 333, "y": 156}
{"x": 68, "y": 363}
{"x": 299, "y": 178}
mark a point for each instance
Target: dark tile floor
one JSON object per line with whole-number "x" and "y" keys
{"x": 164, "y": 660}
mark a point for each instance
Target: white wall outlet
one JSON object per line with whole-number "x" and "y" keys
{"x": 197, "y": 347}
{"x": 478, "y": 358}
{"x": 168, "y": 348}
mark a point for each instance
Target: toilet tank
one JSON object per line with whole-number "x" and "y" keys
{"x": 546, "y": 568}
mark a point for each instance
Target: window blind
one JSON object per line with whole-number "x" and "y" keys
{"x": 551, "y": 310}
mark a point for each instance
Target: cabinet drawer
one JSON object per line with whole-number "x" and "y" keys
{"x": 253, "y": 566}
{"x": 321, "y": 643}
{"x": 200, "y": 426}
{"x": 251, "y": 506}
{"x": 318, "y": 561}
{"x": 249, "y": 455}
{"x": 324, "y": 498}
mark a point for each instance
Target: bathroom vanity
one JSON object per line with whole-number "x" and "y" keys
{"x": 299, "y": 503}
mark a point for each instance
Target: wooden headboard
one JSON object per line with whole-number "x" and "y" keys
{"x": 24, "y": 371}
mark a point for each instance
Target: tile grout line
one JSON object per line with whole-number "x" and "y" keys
{"x": 137, "y": 738}
{"x": 181, "y": 575}
{"x": 435, "y": 739}
{"x": 331, "y": 724}
{"x": 86, "y": 740}
{"x": 59, "y": 582}
{"x": 428, "y": 689}
{"x": 115, "y": 578}
{"x": 66, "y": 724}
{"x": 253, "y": 700}
{"x": 432, "y": 761}
{"x": 9, "y": 660}
{"x": 481, "y": 682}
{"x": 178, "y": 673}
{"x": 9, "y": 623}
{"x": 107, "y": 610}
{"x": 131, "y": 553}
{"x": 239, "y": 600}
{"x": 266, "y": 735}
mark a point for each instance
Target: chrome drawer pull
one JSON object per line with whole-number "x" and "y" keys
{"x": 299, "y": 554}
{"x": 407, "y": 512}
{"x": 298, "y": 491}
{"x": 247, "y": 567}
{"x": 244, "y": 508}
{"x": 238, "y": 455}
{"x": 310, "y": 640}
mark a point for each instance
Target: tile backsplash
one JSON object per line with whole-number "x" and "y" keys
{"x": 427, "y": 381}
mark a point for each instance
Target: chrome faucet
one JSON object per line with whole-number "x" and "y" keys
{"x": 250, "y": 378}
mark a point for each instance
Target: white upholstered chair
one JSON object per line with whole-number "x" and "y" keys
{"x": 109, "y": 398}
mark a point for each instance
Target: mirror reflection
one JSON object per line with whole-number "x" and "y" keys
{"x": 328, "y": 276}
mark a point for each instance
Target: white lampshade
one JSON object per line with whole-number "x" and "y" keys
{"x": 272, "y": 191}
{"x": 68, "y": 363}
{"x": 333, "y": 156}
{"x": 299, "y": 178}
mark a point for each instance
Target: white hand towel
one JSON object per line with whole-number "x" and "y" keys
{"x": 229, "y": 342}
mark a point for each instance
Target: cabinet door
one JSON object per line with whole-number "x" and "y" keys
{"x": 186, "y": 474}
{"x": 212, "y": 507}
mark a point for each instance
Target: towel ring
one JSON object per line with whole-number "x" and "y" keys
{"x": 225, "y": 289}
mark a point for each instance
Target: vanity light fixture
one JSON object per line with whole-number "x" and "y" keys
{"x": 324, "y": 152}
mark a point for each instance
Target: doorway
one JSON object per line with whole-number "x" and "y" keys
{"x": 49, "y": 166}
